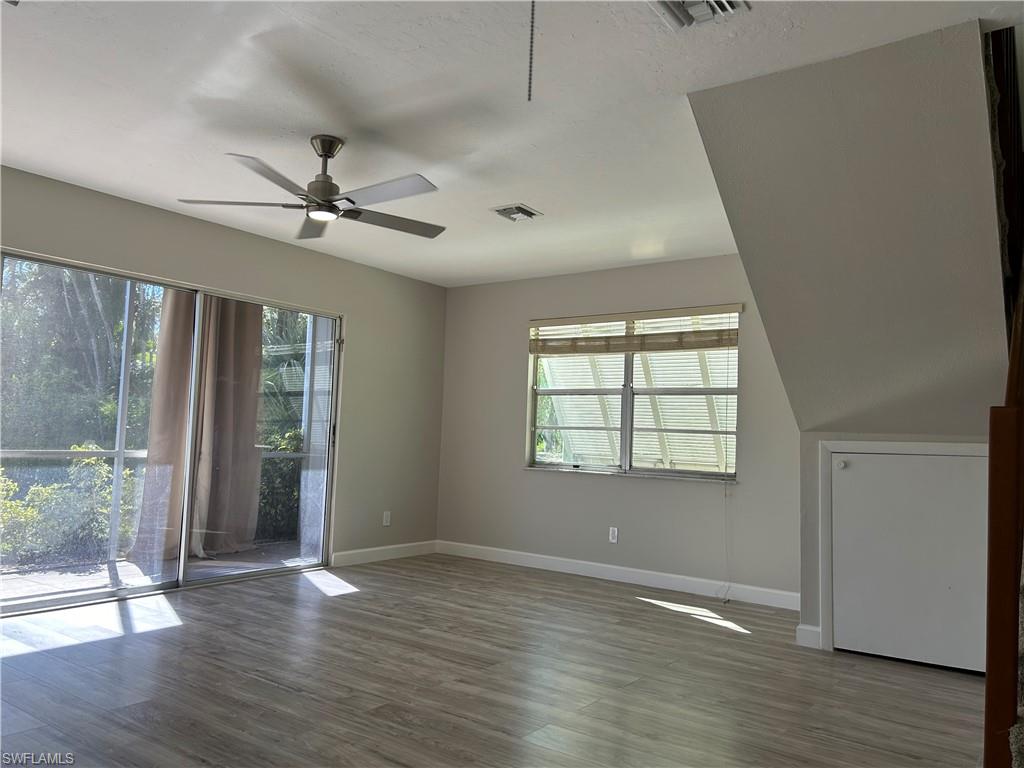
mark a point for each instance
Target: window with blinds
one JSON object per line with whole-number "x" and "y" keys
{"x": 644, "y": 393}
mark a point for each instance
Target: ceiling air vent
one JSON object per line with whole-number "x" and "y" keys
{"x": 686, "y": 13}
{"x": 517, "y": 212}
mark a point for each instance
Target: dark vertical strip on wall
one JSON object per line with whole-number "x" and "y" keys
{"x": 1008, "y": 151}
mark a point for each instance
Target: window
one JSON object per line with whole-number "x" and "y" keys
{"x": 645, "y": 393}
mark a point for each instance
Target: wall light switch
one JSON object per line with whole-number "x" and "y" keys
{"x": 387, "y": 518}
{"x": 613, "y": 535}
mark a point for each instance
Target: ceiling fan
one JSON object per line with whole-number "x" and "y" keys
{"x": 324, "y": 202}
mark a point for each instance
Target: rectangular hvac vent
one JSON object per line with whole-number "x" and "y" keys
{"x": 686, "y": 13}
{"x": 517, "y": 212}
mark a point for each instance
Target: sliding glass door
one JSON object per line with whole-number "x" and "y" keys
{"x": 263, "y": 435}
{"x": 126, "y": 439}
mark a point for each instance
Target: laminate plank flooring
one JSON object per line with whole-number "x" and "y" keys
{"x": 446, "y": 661}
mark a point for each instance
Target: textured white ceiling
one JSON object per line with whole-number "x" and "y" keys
{"x": 142, "y": 100}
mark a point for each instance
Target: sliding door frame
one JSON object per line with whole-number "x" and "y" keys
{"x": 193, "y": 455}
{"x": 182, "y": 285}
{"x": 124, "y": 593}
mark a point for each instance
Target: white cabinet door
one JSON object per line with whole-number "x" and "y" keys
{"x": 908, "y": 556}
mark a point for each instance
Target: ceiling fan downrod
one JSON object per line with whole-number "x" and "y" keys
{"x": 326, "y": 147}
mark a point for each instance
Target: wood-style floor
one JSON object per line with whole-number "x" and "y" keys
{"x": 439, "y": 661}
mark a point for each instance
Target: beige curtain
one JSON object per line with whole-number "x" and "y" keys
{"x": 227, "y": 480}
{"x": 227, "y": 474}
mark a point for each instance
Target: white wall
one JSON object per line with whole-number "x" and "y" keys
{"x": 389, "y": 429}
{"x": 675, "y": 526}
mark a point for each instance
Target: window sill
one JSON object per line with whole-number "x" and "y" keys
{"x": 698, "y": 477}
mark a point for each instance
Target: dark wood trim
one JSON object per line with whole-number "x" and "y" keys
{"x": 1006, "y": 423}
{"x": 1006, "y": 467}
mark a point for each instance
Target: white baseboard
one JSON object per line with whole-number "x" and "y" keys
{"x": 391, "y": 552}
{"x": 808, "y": 636}
{"x": 776, "y": 598}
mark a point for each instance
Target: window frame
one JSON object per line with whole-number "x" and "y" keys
{"x": 627, "y": 394}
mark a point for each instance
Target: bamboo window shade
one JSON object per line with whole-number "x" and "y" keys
{"x": 700, "y": 328}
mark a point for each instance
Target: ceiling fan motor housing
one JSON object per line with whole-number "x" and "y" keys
{"x": 322, "y": 187}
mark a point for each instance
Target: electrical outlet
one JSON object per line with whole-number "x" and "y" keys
{"x": 387, "y": 518}
{"x": 613, "y": 535}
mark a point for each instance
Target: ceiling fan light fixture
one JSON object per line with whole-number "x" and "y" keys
{"x": 322, "y": 212}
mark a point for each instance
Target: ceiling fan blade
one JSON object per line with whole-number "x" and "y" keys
{"x": 387, "y": 190}
{"x": 256, "y": 165}
{"x": 311, "y": 229}
{"x": 410, "y": 226}
{"x": 239, "y": 202}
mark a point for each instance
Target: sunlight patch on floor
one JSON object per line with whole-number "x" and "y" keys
{"x": 328, "y": 583}
{"x": 85, "y": 624}
{"x": 698, "y": 613}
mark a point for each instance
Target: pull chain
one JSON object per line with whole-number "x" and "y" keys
{"x": 529, "y": 80}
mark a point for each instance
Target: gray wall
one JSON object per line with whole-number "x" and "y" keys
{"x": 389, "y": 429}
{"x": 861, "y": 194}
{"x": 674, "y": 526}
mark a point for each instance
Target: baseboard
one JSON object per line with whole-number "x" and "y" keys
{"x": 391, "y": 552}
{"x": 776, "y": 598}
{"x": 808, "y": 636}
